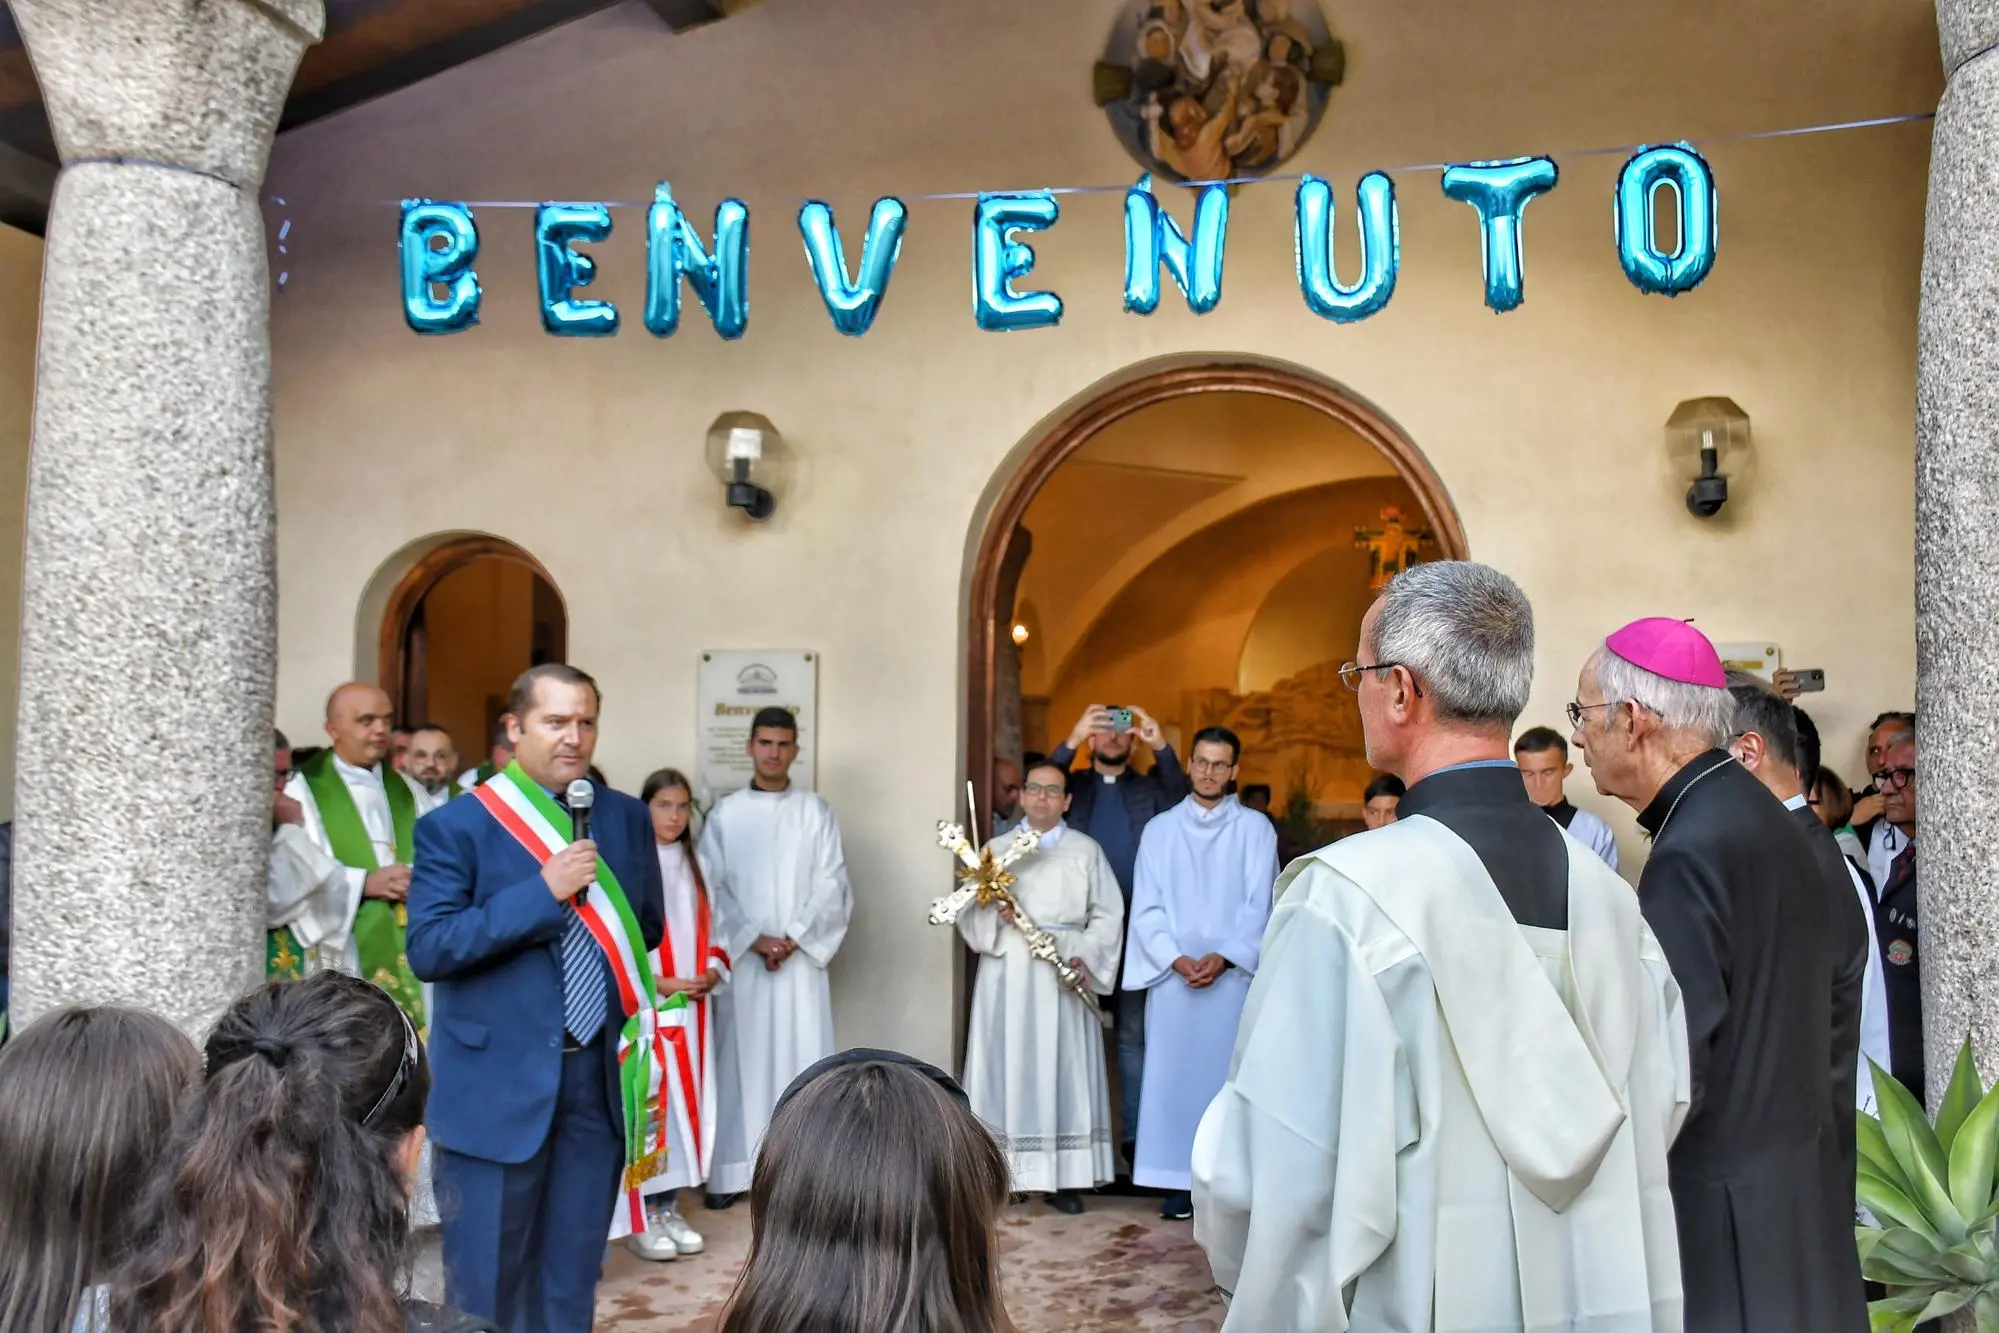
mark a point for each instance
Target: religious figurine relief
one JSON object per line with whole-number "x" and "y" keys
{"x": 1202, "y": 90}
{"x": 1391, "y": 548}
{"x": 1304, "y": 730}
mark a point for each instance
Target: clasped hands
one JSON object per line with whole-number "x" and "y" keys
{"x": 694, "y": 988}
{"x": 1200, "y": 973}
{"x": 774, "y": 950}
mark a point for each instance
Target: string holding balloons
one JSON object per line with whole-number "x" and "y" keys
{"x": 442, "y": 295}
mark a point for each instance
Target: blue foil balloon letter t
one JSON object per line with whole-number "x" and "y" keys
{"x": 1153, "y": 238}
{"x": 556, "y": 228}
{"x": 1500, "y": 192}
{"x": 427, "y": 267}
{"x": 674, "y": 251}
{"x": 998, "y": 259}
{"x": 853, "y": 304}
{"x": 1692, "y": 180}
{"x": 1380, "y": 250}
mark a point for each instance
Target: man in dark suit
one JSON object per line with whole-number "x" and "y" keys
{"x": 525, "y": 1109}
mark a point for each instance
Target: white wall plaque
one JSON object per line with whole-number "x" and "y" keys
{"x": 1760, "y": 659}
{"x": 733, "y": 687}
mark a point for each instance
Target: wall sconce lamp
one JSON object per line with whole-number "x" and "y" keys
{"x": 749, "y": 457}
{"x": 1709, "y": 430}
{"x": 1020, "y": 634}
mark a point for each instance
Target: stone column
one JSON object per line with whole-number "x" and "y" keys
{"x": 148, "y": 627}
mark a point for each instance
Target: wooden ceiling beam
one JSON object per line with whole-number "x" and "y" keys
{"x": 680, "y": 15}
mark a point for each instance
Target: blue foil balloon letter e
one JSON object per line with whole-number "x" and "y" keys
{"x": 450, "y": 267}
{"x": 674, "y": 251}
{"x": 556, "y": 228}
{"x": 1153, "y": 238}
{"x": 1692, "y": 180}
{"x": 998, "y": 259}
{"x": 1500, "y": 192}
{"x": 1380, "y": 250}
{"x": 853, "y": 304}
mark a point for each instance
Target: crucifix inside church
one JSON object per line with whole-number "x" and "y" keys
{"x": 1391, "y": 548}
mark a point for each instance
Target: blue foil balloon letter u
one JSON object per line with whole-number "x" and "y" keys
{"x": 450, "y": 267}
{"x": 1650, "y": 269}
{"x": 1153, "y": 238}
{"x": 1500, "y": 192}
{"x": 998, "y": 259}
{"x": 556, "y": 228}
{"x": 1380, "y": 250}
{"x": 674, "y": 251}
{"x": 853, "y": 304}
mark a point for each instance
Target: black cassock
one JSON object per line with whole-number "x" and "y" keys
{"x": 1737, "y": 899}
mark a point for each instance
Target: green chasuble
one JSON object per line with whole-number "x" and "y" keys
{"x": 284, "y": 960}
{"x": 379, "y": 927}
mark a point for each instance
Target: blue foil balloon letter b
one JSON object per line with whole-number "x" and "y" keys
{"x": 1152, "y": 238}
{"x": 998, "y": 259}
{"x": 1380, "y": 250}
{"x": 1692, "y": 180}
{"x": 426, "y": 267}
{"x": 556, "y": 227}
{"x": 674, "y": 251}
{"x": 853, "y": 304}
{"x": 1500, "y": 191}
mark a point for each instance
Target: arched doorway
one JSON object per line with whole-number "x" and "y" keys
{"x": 470, "y": 613}
{"x": 1006, "y": 545}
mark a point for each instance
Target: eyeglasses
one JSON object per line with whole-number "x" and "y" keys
{"x": 1352, "y": 673}
{"x": 1211, "y": 765}
{"x": 1044, "y": 789}
{"x": 1577, "y": 708}
{"x": 1893, "y": 779}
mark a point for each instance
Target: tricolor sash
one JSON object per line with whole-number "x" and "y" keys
{"x": 380, "y": 928}
{"x": 533, "y": 819}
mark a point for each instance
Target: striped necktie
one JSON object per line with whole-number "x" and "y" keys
{"x": 584, "y": 983}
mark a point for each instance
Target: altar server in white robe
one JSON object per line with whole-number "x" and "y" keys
{"x": 689, "y": 961}
{"x": 1199, "y": 904}
{"x": 309, "y": 897}
{"x": 1464, "y": 1056}
{"x": 780, "y": 881}
{"x": 1034, "y": 1053}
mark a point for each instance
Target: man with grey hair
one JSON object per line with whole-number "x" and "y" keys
{"x": 1739, "y": 903}
{"x": 1462, "y": 1060}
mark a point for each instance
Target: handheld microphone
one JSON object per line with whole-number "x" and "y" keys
{"x": 581, "y": 796}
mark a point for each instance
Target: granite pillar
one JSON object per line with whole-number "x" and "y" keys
{"x": 148, "y": 626}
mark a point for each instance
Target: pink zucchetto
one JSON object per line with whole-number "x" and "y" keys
{"x": 1670, "y": 648}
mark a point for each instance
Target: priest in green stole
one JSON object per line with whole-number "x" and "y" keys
{"x": 309, "y": 902}
{"x": 363, "y": 813}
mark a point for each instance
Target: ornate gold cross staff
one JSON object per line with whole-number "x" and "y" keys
{"x": 988, "y": 880}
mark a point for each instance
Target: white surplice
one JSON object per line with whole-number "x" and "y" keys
{"x": 1201, "y": 886}
{"x": 1873, "y": 990}
{"x": 778, "y": 869}
{"x": 1440, "y": 1119}
{"x": 307, "y": 891}
{"x": 333, "y": 919}
{"x": 691, "y": 946}
{"x": 1034, "y": 1052}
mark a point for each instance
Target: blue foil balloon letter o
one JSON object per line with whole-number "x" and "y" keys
{"x": 1380, "y": 250}
{"x": 1500, "y": 192}
{"x": 426, "y": 267}
{"x": 998, "y": 259}
{"x": 1692, "y": 180}
{"x": 556, "y": 228}
{"x": 721, "y": 281}
{"x": 854, "y": 303}
{"x": 1153, "y": 238}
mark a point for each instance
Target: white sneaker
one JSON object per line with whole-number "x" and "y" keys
{"x": 656, "y": 1242}
{"x": 685, "y": 1238}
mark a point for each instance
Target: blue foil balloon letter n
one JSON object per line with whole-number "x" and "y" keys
{"x": 674, "y": 251}
{"x": 1500, "y": 192}
{"x": 1152, "y": 238}
{"x": 853, "y": 304}
{"x": 1692, "y": 180}
{"x": 1380, "y": 250}
{"x": 426, "y": 267}
{"x": 998, "y": 259}
{"x": 563, "y": 270}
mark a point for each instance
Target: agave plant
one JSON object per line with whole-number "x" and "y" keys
{"x": 1933, "y": 1191}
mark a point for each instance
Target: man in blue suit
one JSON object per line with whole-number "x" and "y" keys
{"x": 526, "y": 1014}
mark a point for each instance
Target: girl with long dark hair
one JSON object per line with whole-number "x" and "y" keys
{"x": 874, "y": 1207}
{"x": 87, "y": 1100}
{"x": 282, "y": 1201}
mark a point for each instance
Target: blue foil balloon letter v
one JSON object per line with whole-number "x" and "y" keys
{"x": 1152, "y": 238}
{"x": 1500, "y": 192}
{"x": 674, "y": 251}
{"x": 1380, "y": 250}
{"x": 1692, "y": 180}
{"x": 556, "y": 227}
{"x": 998, "y": 259}
{"x": 450, "y": 267}
{"x": 853, "y": 304}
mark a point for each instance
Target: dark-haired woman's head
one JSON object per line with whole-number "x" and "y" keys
{"x": 283, "y": 1199}
{"x": 87, "y": 1099}
{"x": 875, "y": 1209}
{"x": 669, "y": 799}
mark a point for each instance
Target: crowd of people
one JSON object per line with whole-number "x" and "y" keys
{"x": 534, "y": 1010}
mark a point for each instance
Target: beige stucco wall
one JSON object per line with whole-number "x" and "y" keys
{"x": 20, "y": 302}
{"x": 1544, "y": 424}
